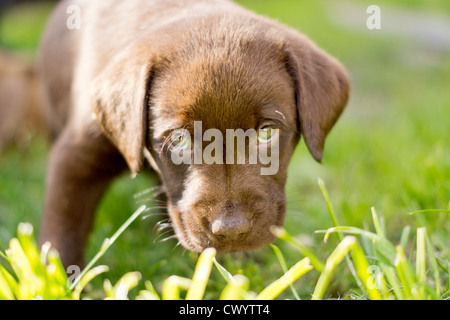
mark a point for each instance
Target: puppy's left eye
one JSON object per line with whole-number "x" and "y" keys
{"x": 267, "y": 134}
{"x": 180, "y": 140}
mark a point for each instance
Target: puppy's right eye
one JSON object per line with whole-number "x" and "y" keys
{"x": 267, "y": 134}
{"x": 180, "y": 140}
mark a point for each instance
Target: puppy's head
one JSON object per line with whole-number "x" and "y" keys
{"x": 178, "y": 105}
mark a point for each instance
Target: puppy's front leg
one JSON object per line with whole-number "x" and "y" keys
{"x": 78, "y": 174}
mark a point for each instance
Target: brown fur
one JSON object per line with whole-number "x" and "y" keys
{"x": 20, "y": 110}
{"x": 137, "y": 70}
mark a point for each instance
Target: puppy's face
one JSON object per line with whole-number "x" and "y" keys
{"x": 181, "y": 99}
{"x": 229, "y": 205}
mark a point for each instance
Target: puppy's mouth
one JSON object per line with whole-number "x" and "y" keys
{"x": 197, "y": 235}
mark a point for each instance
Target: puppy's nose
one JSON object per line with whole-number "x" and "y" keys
{"x": 229, "y": 229}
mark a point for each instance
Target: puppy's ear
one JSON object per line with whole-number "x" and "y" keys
{"x": 120, "y": 97}
{"x": 322, "y": 90}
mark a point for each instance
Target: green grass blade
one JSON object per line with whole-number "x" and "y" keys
{"x": 335, "y": 223}
{"x": 223, "y": 272}
{"x": 382, "y": 245}
{"x": 127, "y": 282}
{"x": 10, "y": 281}
{"x": 201, "y": 274}
{"x": 5, "y": 291}
{"x": 284, "y": 267}
{"x": 391, "y": 276}
{"x": 376, "y": 222}
{"x": 405, "y": 273}
{"x": 282, "y": 234}
{"x": 350, "y": 230}
{"x": 56, "y": 272}
{"x": 56, "y": 285}
{"x": 4, "y": 256}
{"x": 405, "y": 236}
{"x": 149, "y": 293}
{"x": 421, "y": 256}
{"x": 237, "y": 285}
{"x": 107, "y": 243}
{"x": 275, "y": 288}
{"x": 429, "y": 210}
{"x": 44, "y": 252}
{"x": 29, "y": 284}
{"x": 151, "y": 289}
{"x": 172, "y": 285}
{"x": 29, "y": 247}
{"x": 236, "y": 288}
{"x": 333, "y": 260}
{"x": 124, "y": 226}
{"x": 333, "y": 216}
{"x": 434, "y": 265}
{"x": 89, "y": 275}
{"x": 362, "y": 268}
{"x": 447, "y": 286}
{"x": 381, "y": 280}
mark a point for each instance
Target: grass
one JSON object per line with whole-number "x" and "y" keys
{"x": 40, "y": 275}
{"x": 388, "y": 151}
{"x": 21, "y": 28}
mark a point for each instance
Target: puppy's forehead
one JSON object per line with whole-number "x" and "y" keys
{"x": 224, "y": 91}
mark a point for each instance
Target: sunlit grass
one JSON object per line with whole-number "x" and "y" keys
{"x": 40, "y": 274}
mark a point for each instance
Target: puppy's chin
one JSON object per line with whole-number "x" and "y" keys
{"x": 247, "y": 244}
{"x": 196, "y": 237}
{"x": 199, "y": 242}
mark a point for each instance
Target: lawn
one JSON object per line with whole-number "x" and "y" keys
{"x": 390, "y": 150}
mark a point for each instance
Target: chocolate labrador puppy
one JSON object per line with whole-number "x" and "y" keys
{"x": 135, "y": 74}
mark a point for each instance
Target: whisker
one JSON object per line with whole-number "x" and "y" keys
{"x": 144, "y": 200}
{"x": 154, "y": 214}
{"x": 161, "y": 202}
{"x": 155, "y": 207}
{"x": 149, "y": 190}
{"x": 175, "y": 246}
{"x": 163, "y": 227}
{"x": 159, "y": 236}
{"x": 152, "y": 199}
{"x": 167, "y": 220}
{"x": 174, "y": 236}
{"x": 158, "y": 213}
{"x": 162, "y": 224}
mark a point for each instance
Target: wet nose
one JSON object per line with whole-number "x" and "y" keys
{"x": 230, "y": 229}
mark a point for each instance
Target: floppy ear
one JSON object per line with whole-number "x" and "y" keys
{"x": 120, "y": 98}
{"x": 322, "y": 90}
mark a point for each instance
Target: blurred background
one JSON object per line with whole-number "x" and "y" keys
{"x": 390, "y": 149}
